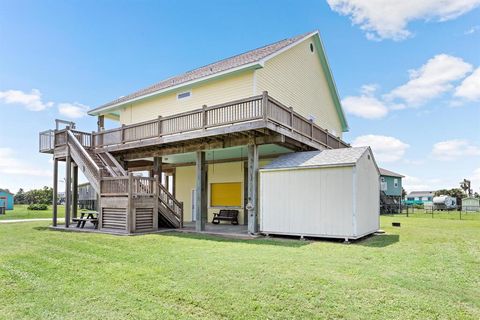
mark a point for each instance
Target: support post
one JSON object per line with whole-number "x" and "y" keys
{"x": 75, "y": 191}
{"x": 252, "y": 205}
{"x": 201, "y": 191}
{"x": 130, "y": 219}
{"x": 156, "y": 192}
{"x": 68, "y": 188}
{"x": 245, "y": 192}
{"x": 157, "y": 167}
{"x": 55, "y": 191}
{"x": 101, "y": 123}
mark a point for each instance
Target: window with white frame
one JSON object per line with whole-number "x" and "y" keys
{"x": 395, "y": 183}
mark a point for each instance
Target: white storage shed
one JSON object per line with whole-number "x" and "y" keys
{"x": 331, "y": 193}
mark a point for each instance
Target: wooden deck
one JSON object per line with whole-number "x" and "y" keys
{"x": 255, "y": 114}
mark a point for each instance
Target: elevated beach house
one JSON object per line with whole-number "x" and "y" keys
{"x": 202, "y": 136}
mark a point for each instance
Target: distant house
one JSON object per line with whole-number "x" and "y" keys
{"x": 420, "y": 197}
{"x": 391, "y": 183}
{"x": 6, "y": 199}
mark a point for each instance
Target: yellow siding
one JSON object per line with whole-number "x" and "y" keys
{"x": 219, "y": 173}
{"x": 296, "y": 78}
{"x": 210, "y": 93}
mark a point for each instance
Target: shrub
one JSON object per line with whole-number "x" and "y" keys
{"x": 37, "y": 206}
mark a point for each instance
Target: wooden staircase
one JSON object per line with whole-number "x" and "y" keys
{"x": 108, "y": 178}
{"x": 170, "y": 210}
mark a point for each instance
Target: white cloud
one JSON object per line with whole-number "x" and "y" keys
{"x": 475, "y": 178}
{"x": 32, "y": 101}
{"x": 469, "y": 89}
{"x": 72, "y": 110}
{"x": 454, "y": 149}
{"x": 11, "y": 164}
{"x": 388, "y": 19}
{"x": 385, "y": 149}
{"x": 365, "y": 105}
{"x": 431, "y": 80}
{"x": 472, "y": 30}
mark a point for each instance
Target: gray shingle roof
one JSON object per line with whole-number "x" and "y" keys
{"x": 211, "y": 69}
{"x": 385, "y": 172}
{"x": 325, "y": 158}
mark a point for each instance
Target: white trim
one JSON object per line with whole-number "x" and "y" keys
{"x": 354, "y": 199}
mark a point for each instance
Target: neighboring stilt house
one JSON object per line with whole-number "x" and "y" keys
{"x": 202, "y": 135}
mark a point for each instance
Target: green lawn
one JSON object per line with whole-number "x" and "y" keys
{"x": 20, "y": 211}
{"x": 427, "y": 269}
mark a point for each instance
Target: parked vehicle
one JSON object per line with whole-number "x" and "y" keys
{"x": 444, "y": 203}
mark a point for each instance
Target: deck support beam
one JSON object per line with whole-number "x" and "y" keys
{"x": 252, "y": 205}
{"x": 157, "y": 167}
{"x": 55, "y": 192}
{"x": 200, "y": 192}
{"x": 68, "y": 188}
{"x": 75, "y": 190}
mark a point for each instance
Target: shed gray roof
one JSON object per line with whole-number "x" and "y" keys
{"x": 248, "y": 57}
{"x": 325, "y": 158}
{"x": 385, "y": 172}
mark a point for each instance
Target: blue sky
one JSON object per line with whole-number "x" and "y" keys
{"x": 408, "y": 74}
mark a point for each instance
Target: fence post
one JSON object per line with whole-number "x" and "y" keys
{"x": 181, "y": 214}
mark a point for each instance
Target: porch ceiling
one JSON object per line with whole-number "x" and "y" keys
{"x": 224, "y": 154}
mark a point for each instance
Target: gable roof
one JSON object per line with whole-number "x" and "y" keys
{"x": 324, "y": 158}
{"x": 5, "y": 191}
{"x": 385, "y": 172}
{"x": 252, "y": 59}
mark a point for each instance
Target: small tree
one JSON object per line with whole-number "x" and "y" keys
{"x": 20, "y": 197}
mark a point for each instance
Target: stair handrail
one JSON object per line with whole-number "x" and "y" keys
{"x": 169, "y": 195}
{"x": 79, "y": 146}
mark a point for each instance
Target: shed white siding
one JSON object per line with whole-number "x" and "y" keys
{"x": 338, "y": 201}
{"x": 367, "y": 208}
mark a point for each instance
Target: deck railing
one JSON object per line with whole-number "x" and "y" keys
{"x": 257, "y": 108}
{"x": 261, "y": 107}
{"x": 46, "y": 143}
{"x": 119, "y": 186}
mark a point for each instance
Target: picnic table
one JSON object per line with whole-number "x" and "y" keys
{"x": 85, "y": 216}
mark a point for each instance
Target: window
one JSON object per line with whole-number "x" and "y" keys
{"x": 382, "y": 179}
{"x": 311, "y": 47}
{"x": 226, "y": 194}
{"x": 395, "y": 183}
{"x": 184, "y": 95}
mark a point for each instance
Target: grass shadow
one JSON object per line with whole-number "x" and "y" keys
{"x": 284, "y": 242}
{"x": 379, "y": 240}
{"x": 41, "y": 228}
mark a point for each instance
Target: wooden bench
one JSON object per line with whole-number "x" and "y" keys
{"x": 226, "y": 215}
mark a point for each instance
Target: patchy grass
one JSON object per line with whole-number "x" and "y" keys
{"x": 427, "y": 269}
{"x": 20, "y": 211}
